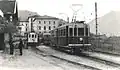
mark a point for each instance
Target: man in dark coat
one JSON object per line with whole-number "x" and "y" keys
{"x": 11, "y": 47}
{"x": 21, "y": 46}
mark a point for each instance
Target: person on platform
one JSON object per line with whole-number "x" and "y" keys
{"x": 21, "y": 46}
{"x": 11, "y": 47}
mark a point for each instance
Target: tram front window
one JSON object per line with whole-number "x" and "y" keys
{"x": 71, "y": 31}
{"x": 75, "y": 31}
{"x": 80, "y": 31}
{"x": 32, "y": 36}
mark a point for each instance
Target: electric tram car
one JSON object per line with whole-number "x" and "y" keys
{"x": 32, "y": 39}
{"x": 46, "y": 39}
{"x": 73, "y": 37}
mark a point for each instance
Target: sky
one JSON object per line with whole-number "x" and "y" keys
{"x": 67, "y": 7}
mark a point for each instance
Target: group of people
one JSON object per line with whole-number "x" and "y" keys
{"x": 20, "y": 46}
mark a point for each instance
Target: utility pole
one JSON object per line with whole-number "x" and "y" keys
{"x": 97, "y": 40}
{"x": 32, "y": 19}
{"x": 96, "y": 18}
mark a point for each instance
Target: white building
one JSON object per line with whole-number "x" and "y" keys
{"x": 23, "y": 21}
{"x": 23, "y": 25}
{"x": 43, "y": 24}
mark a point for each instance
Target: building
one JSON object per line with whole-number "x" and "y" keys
{"x": 23, "y": 21}
{"x": 62, "y": 22}
{"x": 8, "y": 21}
{"x": 43, "y": 24}
{"x": 22, "y": 28}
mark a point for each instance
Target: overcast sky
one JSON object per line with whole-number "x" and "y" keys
{"x": 54, "y": 7}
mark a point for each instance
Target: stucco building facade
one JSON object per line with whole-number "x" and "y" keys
{"x": 43, "y": 24}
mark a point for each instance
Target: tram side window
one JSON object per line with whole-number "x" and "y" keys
{"x": 75, "y": 31}
{"x": 56, "y": 33}
{"x": 64, "y": 32}
{"x": 80, "y": 31}
{"x": 60, "y": 32}
{"x": 71, "y": 31}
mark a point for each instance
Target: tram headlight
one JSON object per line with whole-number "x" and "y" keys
{"x": 81, "y": 39}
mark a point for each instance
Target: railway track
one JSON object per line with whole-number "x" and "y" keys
{"x": 108, "y": 53}
{"x": 104, "y": 61}
{"x": 63, "y": 59}
{"x": 100, "y": 60}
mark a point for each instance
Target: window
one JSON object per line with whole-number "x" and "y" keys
{"x": 80, "y": 31}
{"x": 44, "y": 22}
{"x": 39, "y": 22}
{"x": 33, "y": 36}
{"x": 87, "y": 32}
{"x": 49, "y": 28}
{"x": 75, "y": 31}
{"x": 54, "y": 22}
{"x": 26, "y": 29}
{"x": 49, "y": 22}
{"x": 58, "y": 32}
{"x": 44, "y": 27}
{"x": 64, "y": 33}
{"x": 61, "y": 32}
{"x": 71, "y": 32}
{"x": 39, "y": 27}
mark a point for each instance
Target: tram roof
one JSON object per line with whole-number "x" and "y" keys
{"x": 72, "y": 24}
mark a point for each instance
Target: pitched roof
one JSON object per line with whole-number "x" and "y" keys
{"x": 7, "y": 6}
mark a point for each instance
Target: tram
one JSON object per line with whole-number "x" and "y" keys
{"x": 32, "y": 39}
{"x": 73, "y": 37}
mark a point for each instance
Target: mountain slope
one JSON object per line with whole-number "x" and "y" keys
{"x": 108, "y": 24}
{"x": 24, "y": 14}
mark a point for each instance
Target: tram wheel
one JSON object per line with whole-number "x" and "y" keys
{"x": 72, "y": 51}
{"x": 77, "y": 50}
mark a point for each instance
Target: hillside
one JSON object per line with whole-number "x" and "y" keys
{"x": 24, "y": 14}
{"x": 108, "y": 24}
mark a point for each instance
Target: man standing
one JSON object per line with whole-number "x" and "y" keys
{"x": 20, "y": 46}
{"x": 11, "y": 47}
